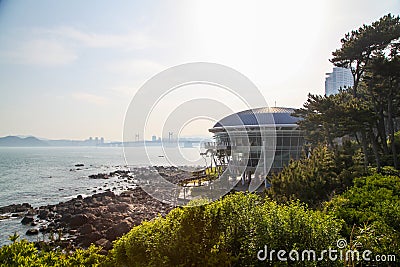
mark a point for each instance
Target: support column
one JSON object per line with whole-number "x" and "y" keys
{"x": 264, "y": 144}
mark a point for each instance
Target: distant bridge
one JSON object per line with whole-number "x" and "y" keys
{"x": 184, "y": 143}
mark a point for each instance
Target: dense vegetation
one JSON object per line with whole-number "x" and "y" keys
{"x": 231, "y": 231}
{"x": 24, "y": 253}
{"x": 317, "y": 178}
{"x": 348, "y": 185}
{"x": 371, "y": 211}
{"x": 369, "y": 111}
{"x": 225, "y": 233}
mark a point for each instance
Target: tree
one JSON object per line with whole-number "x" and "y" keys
{"x": 359, "y": 46}
{"x": 326, "y": 118}
{"x": 369, "y": 110}
{"x": 383, "y": 81}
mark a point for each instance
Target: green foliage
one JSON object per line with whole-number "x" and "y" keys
{"x": 328, "y": 117}
{"x": 360, "y": 45}
{"x": 315, "y": 179}
{"x": 397, "y": 141}
{"x": 368, "y": 111}
{"x": 310, "y": 180}
{"x": 372, "y": 205}
{"x": 24, "y": 253}
{"x": 231, "y": 231}
{"x": 386, "y": 170}
{"x": 228, "y": 232}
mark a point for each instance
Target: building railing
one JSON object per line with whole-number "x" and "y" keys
{"x": 215, "y": 145}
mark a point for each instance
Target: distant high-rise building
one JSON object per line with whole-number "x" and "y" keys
{"x": 339, "y": 78}
{"x": 90, "y": 141}
{"x": 154, "y": 138}
{"x": 102, "y": 140}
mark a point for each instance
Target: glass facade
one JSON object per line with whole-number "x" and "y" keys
{"x": 247, "y": 144}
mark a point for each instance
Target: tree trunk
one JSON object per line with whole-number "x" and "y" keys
{"x": 382, "y": 131}
{"x": 375, "y": 149}
{"x": 380, "y": 122}
{"x": 391, "y": 128}
{"x": 364, "y": 148}
{"x": 357, "y": 139}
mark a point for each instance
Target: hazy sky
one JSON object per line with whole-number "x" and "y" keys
{"x": 68, "y": 69}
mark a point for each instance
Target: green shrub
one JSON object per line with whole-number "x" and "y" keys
{"x": 319, "y": 177}
{"x": 372, "y": 207}
{"x": 228, "y": 232}
{"x": 24, "y": 253}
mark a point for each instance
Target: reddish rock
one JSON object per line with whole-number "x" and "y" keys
{"x": 88, "y": 239}
{"x": 118, "y": 230}
{"x": 77, "y": 220}
{"x": 15, "y": 208}
{"x": 120, "y": 207}
{"x": 104, "y": 243}
{"x": 86, "y": 229}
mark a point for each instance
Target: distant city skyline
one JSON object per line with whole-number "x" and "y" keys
{"x": 69, "y": 69}
{"x": 102, "y": 140}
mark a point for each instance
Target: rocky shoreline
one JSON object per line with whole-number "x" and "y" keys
{"x": 97, "y": 219}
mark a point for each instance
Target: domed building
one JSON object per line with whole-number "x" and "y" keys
{"x": 261, "y": 140}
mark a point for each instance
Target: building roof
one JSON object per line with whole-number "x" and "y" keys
{"x": 259, "y": 116}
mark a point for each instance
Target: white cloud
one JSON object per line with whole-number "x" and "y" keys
{"x": 90, "y": 98}
{"x": 41, "y": 52}
{"x": 60, "y": 46}
{"x": 138, "y": 68}
{"x": 129, "y": 41}
{"x": 124, "y": 90}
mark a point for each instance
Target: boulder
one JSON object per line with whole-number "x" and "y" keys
{"x": 43, "y": 213}
{"x": 15, "y": 208}
{"x": 32, "y": 231}
{"x": 118, "y": 230}
{"x": 100, "y": 195}
{"x": 91, "y": 238}
{"x": 86, "y": 229}
{"x": 77, "y": 220}
{"x": 103, "y": 224}
{"x": 72, "y": 232}
{"x": 104, "y": 243}
{"x": 99, "y": 176}
{"x": 27, "y": 219}
{"x": 119, "y": 207}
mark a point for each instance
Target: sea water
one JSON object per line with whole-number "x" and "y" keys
{"x": 48, "y": 175}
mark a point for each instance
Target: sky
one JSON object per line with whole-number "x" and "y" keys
{"x": 69, "y": 69}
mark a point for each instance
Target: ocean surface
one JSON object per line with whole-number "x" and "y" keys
{"x": 48, "y": 175}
